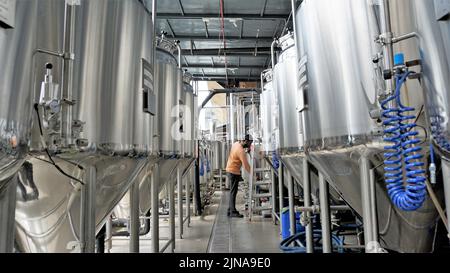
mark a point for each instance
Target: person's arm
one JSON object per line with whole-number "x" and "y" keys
{"x": 243, "y": 158}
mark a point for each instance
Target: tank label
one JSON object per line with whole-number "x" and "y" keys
{"x": 7, "y": 13}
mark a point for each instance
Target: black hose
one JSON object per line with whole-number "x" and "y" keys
{"x": 48, "y": 152}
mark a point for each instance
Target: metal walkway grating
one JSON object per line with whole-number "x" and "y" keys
{"x": 220, "y": 241}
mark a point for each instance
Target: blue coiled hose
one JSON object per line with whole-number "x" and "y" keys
{"x": 438, "y": 132}
{"x": 404, "y": 151}
{"x": 301, "y": 237}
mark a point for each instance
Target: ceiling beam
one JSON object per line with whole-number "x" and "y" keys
{"x": 213, "y": 77}
{"x": 263, "y": 51}
{"x": 174, "y": 16}
{"x": 230, "y": 38}
{"x": 263, "y": 9}
{"x": 181, "y": 7}
{"x": 223, "y": 66}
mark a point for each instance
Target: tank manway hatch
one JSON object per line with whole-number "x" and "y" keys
{"x": 7, "y": 13}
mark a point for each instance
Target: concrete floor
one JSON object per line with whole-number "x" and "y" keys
{"x": 214, "y": 232}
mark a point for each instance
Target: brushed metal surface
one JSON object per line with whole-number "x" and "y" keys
{"x": 16, "y": 54}
{"x": 285, "y": 87}
{"x": 434, "y": 39}
{"x": 48, "y": 203}
{"x": 188, "y": 126}
{"x": 112, "y": 40}
{"x": 168, "y": 86}
{"x": 269, "y": 113}
{"x": 336, "y": 42}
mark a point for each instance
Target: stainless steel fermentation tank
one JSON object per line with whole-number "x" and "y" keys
{"x": 433, "y": 30}
{"x": 169, "y": 80}
{"x": 97, "y": 125}
{"x": 339, "y": 84}
{"x": 189, "y": 116}
{"x": 269, "y": 113}
{"x": 433, "y": 33}
{"x": 17, "y": 45}
{"x": 18, "y": 40}
{"x": 176, "y": 113}
{"x": 289, "y": 99}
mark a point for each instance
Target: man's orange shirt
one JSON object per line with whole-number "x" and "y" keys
{"x": 236, "y": 159}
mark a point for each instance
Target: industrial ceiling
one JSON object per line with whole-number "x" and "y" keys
{"x": 249, "y": 27}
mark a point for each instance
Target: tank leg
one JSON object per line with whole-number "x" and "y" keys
{"x": 325, "y": 214}
{"x": 307, "y": 203}
{"x": 108, "y": 237}
{"x": 7, "y": 216}
{"x": 180, "y": 201}
{"x": 172, "y": 214}
{"x": 155, "y": 209}
{"x": 88, "y": 194}
{"x": 134, "y": 218}
{"x": 370, "y": 220}
{"x": 280, "y": 193}
{"x": 274, "y": 196}
{"x": 446, "y": 175}
{"x": 292, "y": 225}
{"x": 220, "y": 179}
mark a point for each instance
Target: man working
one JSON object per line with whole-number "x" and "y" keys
{"x": 236, "y": 159}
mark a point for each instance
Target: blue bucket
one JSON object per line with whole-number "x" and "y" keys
{"x": 285, "y": 223}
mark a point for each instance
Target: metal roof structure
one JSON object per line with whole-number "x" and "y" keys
{"x": 249, "y": 29}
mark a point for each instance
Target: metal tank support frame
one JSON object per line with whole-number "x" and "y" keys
{"x": 7, "y": 216}
{"x": 134, "y": 217}
{"x": 446, "y": 175}
{"x": 370, "y": 221}
{"x": 155, "y": 209}
{"x": 87, "y": 216}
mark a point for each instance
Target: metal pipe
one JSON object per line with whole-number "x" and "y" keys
{"x": 108, "y": 238}
{"x": 67, "y": 77}
{"x": 155, "y": 209}
{"x": 324, "y": 214}
{"x": 7, "y": 216}
{"x": 405, "y": 37}
{"x": 172, "y": 213}
{"x": 446, "y": 175}
{"x": 220, "y": 179}
{"x": 373, "y": 205}
{"x": 280, "y": 192}
{"x": 386, "y": 38}
{"x": 87, "y": 216}
{"x": 369, "y": 209}
{"x": 180, "y": 64}
{"x": 166, "y": 246}
{"x": 292, "y": 225}
{"x": 134, "y": 217}
{"x": 154, "y": 18}
{"x": 188, "y": 198}
{"x": 294, "y": 23}
{"x": 232, "y": 115}
{"x": 274, "y": 195}
{"x": 307, "y": 203}
{"x": 364, "y": 166}
{"x": 272, "y": 53}
{"x": 180, "y": 201}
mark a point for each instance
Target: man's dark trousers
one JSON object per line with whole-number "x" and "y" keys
{"x": 234, "y": 186}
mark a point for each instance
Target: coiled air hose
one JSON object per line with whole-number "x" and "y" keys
{"x": 404, "y": 153}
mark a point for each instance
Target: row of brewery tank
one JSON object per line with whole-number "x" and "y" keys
{"x": 326, "y": 87}
{"x": 79, "y": 92}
